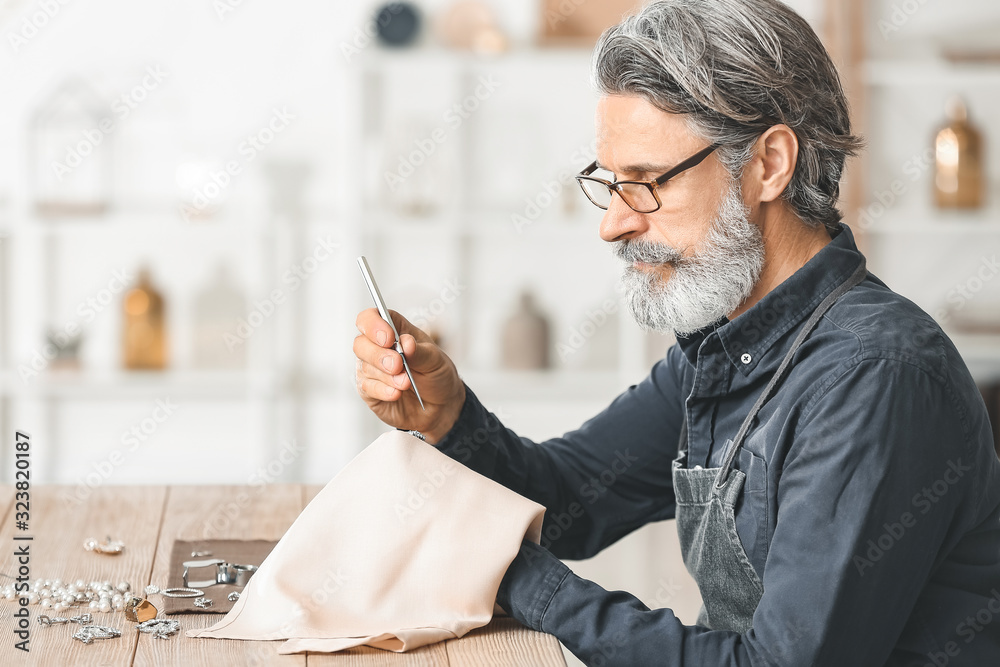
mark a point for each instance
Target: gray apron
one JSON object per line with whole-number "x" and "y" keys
{"x": 706, "y": 516}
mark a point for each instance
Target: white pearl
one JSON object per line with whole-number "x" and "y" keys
{"x": 69, "y": 599}
{"x": 117, "y": 597}
{"x": 59, "y": 606}
{"x": 79, "y": 583}
{"x": 46, "y": 603}
{"x": 118, "y": 605}
{"x": 124, "y": 587}
{"x": 32, "y": 597}
{"x": 46, "y": 593}
{"x": 105, "y": 607}
{"x": 94, "y": 604}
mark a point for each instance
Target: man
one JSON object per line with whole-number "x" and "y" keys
{"x": 819, "y": 439}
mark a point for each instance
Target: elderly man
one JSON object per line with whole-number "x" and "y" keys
{"x": 818, "y": 438}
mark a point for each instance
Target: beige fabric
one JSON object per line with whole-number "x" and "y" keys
{"x": 404, "y": 547}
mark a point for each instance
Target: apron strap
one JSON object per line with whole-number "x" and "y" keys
{"x": 859, "y": 274}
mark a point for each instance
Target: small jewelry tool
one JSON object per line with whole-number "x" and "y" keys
{"x": 383, "y": 310}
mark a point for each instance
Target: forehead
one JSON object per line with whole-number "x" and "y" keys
{"x": 632, "y": 130}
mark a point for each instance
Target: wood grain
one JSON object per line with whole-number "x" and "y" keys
{"x": 148, "y": 520}
{"x": 59, "y": 524}
{"x": 505, "y": 643}
{"x": 211, "y": 512}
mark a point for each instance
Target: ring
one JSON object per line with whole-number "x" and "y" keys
{"x": 203, "y": 602}
{"x": 139, "y": 609}
{"x": 182, "y": 593}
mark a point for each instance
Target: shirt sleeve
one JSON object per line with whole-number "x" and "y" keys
{"x": 874, "y": 491}
{"x": 599, "y": 482}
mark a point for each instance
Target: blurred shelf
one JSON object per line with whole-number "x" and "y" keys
{"x": 527, "y": 56}
{"x": 487, "y": 223}
{"x": 886, "y": 73}
{"x": 94, "y": 385}
{"x": 985, "y": 221}
{"x": 139, "y": 221}
{"x": 981, "y": 353}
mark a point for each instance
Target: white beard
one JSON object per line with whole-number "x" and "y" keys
{"x": 702, "y": 288}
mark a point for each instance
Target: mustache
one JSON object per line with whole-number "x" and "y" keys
{"x": 647, "y": 252}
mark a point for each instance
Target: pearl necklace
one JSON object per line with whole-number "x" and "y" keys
{"x": 57, "y": 595}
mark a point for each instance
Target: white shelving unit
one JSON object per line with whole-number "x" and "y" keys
{"x": 478, "y": 178}
{"x": 919, "y": 250}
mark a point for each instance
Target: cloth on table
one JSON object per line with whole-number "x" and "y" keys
{"x": 404, "y": 547}
{"x": 244, "y": 552}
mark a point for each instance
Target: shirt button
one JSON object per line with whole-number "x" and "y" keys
{"x": 746, "y": 358}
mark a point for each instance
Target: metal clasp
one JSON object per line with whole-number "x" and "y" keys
{"x": 233, "y": 574}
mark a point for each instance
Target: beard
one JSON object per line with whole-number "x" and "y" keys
{"x": 702, "y": 288}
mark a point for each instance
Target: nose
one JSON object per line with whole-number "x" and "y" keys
{"x": 621, "y": 222}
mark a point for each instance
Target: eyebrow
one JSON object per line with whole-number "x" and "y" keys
{"x": 642, "y": 168}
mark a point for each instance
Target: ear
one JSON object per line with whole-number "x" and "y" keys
{"x": 777, "y": 153}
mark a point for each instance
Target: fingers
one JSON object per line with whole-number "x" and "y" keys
{"x": 371, "y": 324}
{"x": 387, "y": 360}
{"x": 371, "y": 384}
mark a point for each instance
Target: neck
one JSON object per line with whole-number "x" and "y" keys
{"x": 788, "y": 244}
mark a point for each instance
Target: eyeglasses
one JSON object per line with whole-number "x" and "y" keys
{"x": 640, "y": 196}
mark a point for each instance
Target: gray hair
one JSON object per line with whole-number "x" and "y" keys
{"x": 736, "y": 68}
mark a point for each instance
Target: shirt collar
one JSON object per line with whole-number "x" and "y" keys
{"x": 755, "y": 331}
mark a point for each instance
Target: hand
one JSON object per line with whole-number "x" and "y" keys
{"x": 382, "y": 382}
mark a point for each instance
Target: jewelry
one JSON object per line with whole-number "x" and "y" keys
{"x": 111, "y": 547}
{"x": 200, "y": 554}
{"x": 45, "y": 620}
{"x": 88, "y": 633}
{"x": 234, "y": 596}
{"x": 161, "y": 628}
{"x": 58, "y": 596}
{"x": 83, "y": 619}
{"x": 139, "y": 609}
{"x": 234, "y": 574}
{"x": 181, "y": 592}
{"x": 204, "y": 603}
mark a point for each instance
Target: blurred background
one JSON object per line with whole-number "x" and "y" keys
{"x": 184, "y": 188}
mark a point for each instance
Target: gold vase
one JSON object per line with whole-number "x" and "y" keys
{"x": 958, "y": 150}
{"x": 144, "y": 337}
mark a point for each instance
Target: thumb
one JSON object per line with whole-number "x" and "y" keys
{"x": 423, "y": 356}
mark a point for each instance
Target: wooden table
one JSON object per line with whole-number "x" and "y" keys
{"x": 148, "y": 519}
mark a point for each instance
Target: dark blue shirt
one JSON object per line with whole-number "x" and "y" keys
{"x": 871, "y": 507}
